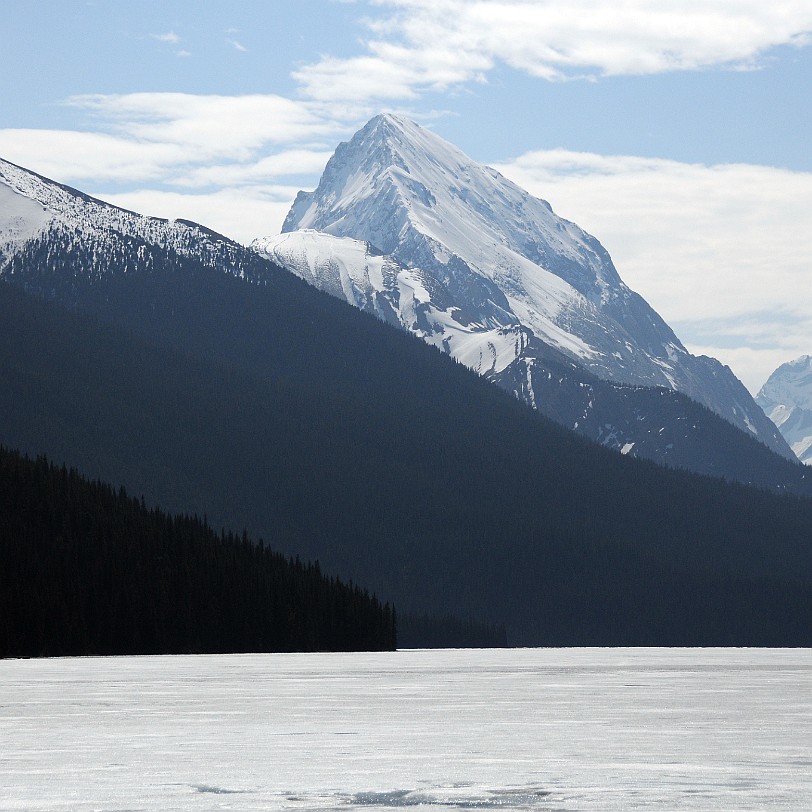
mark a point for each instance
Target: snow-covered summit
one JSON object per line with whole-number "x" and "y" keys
{"x": 417, "y": 197}
{"x": 495, "y": 258}
{"x": 450, "y": 199}
{"x": 786, "y": 398}
{"x": 791, "y": 383}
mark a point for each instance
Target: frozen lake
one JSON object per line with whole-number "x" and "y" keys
{"x": 528, "y": 729}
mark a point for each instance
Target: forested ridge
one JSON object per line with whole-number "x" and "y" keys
{"x": 87, "y": 569}
{"x": 274, "y": 407}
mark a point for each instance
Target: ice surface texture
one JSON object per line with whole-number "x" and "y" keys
{"x": 544, "y": 729}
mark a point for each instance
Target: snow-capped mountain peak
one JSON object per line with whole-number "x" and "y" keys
{"x": 496, "y": 260}
{"x": 443, "y": 206}
{"x": 489, "y": 244}
{"x": 791, "y": 383}
{"x": 786, "y": 398}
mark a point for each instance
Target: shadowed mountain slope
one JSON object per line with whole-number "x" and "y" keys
{"x": 201, "y": 375}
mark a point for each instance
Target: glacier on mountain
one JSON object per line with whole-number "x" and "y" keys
{"x": 488, "y": 273}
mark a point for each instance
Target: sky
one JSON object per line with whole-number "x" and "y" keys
{"x": 677, "y": 132}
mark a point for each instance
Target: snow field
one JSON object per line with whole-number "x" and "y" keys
{"x": 574, "y": 729}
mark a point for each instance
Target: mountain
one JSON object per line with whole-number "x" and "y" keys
{"x": 477, "y": 266}
{"x": 652, "y": 423}
{"x": 58, "y": 242}
{"x": 203, "y": 376}
{"x": 425, "y": 484}
{"x": 786, "y": 398}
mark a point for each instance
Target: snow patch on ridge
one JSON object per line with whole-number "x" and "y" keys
{"x": 30, "y": 204}
{"x": 21, "y": 218}
{"x": 355, "y": 271}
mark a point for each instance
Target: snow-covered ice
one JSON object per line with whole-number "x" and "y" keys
{"x": 532, "y": 729}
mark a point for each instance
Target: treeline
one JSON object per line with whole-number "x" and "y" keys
{"x": 86, "y": 569}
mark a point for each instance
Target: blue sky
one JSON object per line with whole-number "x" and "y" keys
{"x": 676, "y": 131}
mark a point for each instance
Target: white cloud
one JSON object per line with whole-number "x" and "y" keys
{"x": 390, "y": 71}
{"x": 238, "y": 154}
{"x": 171, "y": 38}
{"x": 423, "y": 45}
{"x": 70, "y": 156}
{"x": 263, "y": 170}
{"x": 239, "y": 213}
{"x": 176, "y": 138}
{"x": 236, "y": 45}
{"x": 723, "y": 253}
{"x": 206, "y": 127}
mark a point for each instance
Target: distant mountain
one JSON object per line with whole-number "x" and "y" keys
{"x": 202, "y": 375}
{"x": 475, "y": 265}
{"x": 786, "y": 398}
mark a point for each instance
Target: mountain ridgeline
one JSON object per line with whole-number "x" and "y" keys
{"x": 204, "y": 376}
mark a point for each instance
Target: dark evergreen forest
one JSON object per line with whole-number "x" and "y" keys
{"x": 87, "y": 569}
{"x": 271, "y": 406}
